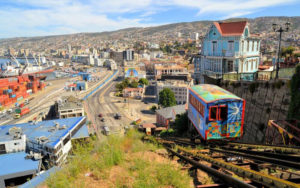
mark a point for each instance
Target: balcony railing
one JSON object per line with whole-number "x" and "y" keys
{"x": 224, "y": 54}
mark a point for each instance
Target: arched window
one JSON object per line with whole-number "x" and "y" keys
{"x": 246, "y": 64}
{"x": 246, "y": 32}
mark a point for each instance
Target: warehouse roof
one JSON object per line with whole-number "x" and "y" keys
{"x": 14, "y": 163}
{"x": 34, "y": 182}
{"x": 53, "y": 130}
{"x": 210, "y": 93}
{"x": 170, "y": 112}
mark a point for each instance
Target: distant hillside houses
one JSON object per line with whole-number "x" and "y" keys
{"x": 227, "y": 47}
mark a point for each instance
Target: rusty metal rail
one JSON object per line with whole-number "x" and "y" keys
{"x": 275, "y": 161}
{"x": 258, "y": 177}
{"x": 279, "y": 149}
{"x": 261, "y": 178}
{"x": 229, "y": 180}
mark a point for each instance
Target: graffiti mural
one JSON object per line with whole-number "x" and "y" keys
{"x": 131, "y": 72}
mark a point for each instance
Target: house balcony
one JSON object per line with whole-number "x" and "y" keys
{"x": 224, "y": 54}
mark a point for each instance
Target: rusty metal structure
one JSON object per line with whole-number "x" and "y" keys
{"x": 282, "y": 133}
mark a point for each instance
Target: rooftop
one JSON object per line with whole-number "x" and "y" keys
{"x": 53, "y": 130}
{"x": 210, "y": 93}
{"x": 70, "y": 102}
{"x": 231, "y": 28}
{"x": 13, "y": 163}
{"x": 177, "y": 83}
{"x": 170, "y": 112}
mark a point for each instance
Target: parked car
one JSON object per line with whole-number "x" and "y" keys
{"x": 117, "y": 116}
{"x": 103, "y": 120}
{"x": 100, "y": 115}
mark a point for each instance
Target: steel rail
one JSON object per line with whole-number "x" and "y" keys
{"x": 282, "y": 149}
{"x": 279, "y": 162}
{"x": 229, "y": 180}
{"x": 261, "y": 178}
{"x": 266, "y": 154}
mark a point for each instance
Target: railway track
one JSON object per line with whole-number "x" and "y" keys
{"x": 245, "y": 161}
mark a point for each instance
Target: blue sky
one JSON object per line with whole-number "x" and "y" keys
{"x": 20, "y": 18}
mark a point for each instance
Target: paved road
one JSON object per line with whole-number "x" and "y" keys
{"x": 101, "y": 102}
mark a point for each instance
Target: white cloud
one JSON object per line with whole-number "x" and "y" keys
{"x": 46, "y": 17}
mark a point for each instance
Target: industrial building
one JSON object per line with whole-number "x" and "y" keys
{"x": 69, "y": 106}
{"x": 24, "y": 147}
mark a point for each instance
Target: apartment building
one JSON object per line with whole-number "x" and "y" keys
{"x": 179, "y": 87}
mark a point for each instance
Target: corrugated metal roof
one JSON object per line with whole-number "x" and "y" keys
{"x": 171, "y": 112}
{"x": 13, "y": 163}
{"x": 42, "y": 128}
{"x": 40, "y": 178}
{"x": 83, "y": 132}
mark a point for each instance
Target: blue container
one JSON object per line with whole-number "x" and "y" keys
{"x": 20, "y": 98}
{"x": 13, "y": 96}
{"x": 9, "y": 91}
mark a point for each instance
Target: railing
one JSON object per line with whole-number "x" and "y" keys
{"x": 224, "y": 54}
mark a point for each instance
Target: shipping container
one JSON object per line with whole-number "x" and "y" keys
{"x": 24, "y": 111}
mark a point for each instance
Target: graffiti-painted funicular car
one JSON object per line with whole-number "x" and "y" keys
{"x": 215, "y": 112}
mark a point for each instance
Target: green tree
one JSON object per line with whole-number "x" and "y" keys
{"x": 167, "y": 98}
{"x": 181, "y": 123}
{"x": 294, "y": 108}
{"x": 126, "y": 82}
{"x": 287, "y": 51}
{"x": 134, "y": 84}
{"x": 153, "y": 108}
{"x": 144, "y": 81}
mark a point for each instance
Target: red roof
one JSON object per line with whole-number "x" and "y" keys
{"x": 231, "y": 28}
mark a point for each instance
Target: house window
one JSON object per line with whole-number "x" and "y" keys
{"x": 242, "y": 46}
{"x": 223, "y": 113}
{"x": 247, "y": 46}
{"x": 252, "y": 62}
{"x": 213, "y": 112}
{"x": 252, "y": 45}
{"x": 246, "y": 64}
{"x": 218, "y": 113}
{"x": 230, "y": 66}
{"x": 257, "y": 46}
{"x": 230, "y": 46}
{"x": 214, "y": 47}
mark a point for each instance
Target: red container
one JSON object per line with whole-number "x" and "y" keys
{"x": 24, "y": 111}
{"x": 21, "y": 105}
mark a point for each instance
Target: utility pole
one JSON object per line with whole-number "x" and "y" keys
{"x": 280, "y": 30}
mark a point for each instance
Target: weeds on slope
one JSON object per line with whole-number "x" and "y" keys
{"x": 118, "y": 162}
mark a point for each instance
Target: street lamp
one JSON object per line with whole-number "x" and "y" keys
{"x": 280, "y": 29}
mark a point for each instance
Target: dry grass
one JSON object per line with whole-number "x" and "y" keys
{"x": 120, "y": 162}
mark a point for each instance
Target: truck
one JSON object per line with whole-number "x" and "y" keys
{"x": 21, "y": 112}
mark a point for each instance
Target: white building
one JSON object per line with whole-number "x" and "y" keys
{"x": 195, "y": 36}
{"x": 128, "y": 55}
{"x": 15, "y": 143}
{"x": 91, "y": 60}
{"x": 179, "y": 87}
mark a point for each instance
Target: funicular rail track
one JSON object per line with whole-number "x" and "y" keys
{"x": 188, "y": 152}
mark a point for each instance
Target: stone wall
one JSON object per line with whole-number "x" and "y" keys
{"x": 264, "y": 101}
